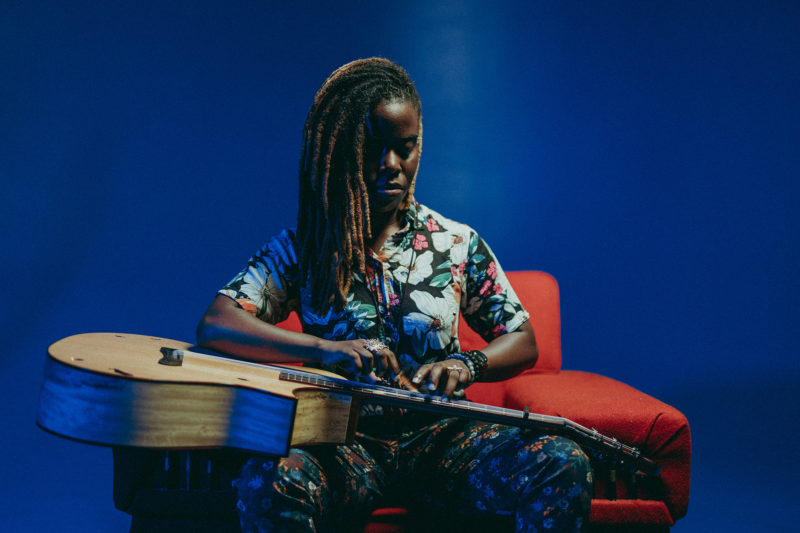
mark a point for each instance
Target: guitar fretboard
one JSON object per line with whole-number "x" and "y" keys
{"x": 624, "y": 454}
{"x": 380, "y": 392}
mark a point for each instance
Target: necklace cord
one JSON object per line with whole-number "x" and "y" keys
{"x": 403, "y": 292}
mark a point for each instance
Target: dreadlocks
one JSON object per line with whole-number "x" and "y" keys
{"x": 333, "y": 221}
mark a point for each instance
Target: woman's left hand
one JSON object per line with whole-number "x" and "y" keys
{"x": 443, "y": 377}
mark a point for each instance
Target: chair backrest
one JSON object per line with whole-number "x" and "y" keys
{"x": 538, "y": 292}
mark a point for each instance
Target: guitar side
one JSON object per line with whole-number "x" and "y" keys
{"x": 107, "y": 388}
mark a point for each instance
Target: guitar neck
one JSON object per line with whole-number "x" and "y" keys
{"x": 626, "y": 456}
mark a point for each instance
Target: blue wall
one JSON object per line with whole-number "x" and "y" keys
{"x": 644, "y": 153}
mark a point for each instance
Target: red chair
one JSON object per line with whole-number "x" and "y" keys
{"x": 611, "y": 407}
{"x": 158, "y": 501}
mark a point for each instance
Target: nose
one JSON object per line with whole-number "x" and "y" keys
{"x": 390, "y": 160}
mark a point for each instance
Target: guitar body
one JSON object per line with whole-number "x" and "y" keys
{"x": 110, "y": 389}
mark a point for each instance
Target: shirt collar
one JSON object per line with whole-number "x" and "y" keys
{"x": 412, "y": 215}
{"x": 403, "y": 236}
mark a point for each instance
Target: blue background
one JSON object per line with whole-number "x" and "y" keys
{"x": 644, "y": 153}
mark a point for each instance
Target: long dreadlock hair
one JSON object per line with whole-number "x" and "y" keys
{"x": 333, "y": 221}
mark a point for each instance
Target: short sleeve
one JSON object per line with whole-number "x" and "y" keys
{"x": 489, "y": 304}
{"x": 267, "y": 287}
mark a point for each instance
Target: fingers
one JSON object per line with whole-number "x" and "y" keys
{"x": 444, "y": 376}
{"x": 420, "y": 374}
{"x": 402, "y": 381}
{"x": 373, "y": 359}
{"x": 365, "y": 360}
{"x": 354, "y": 359}
{"x": 382, "y": 358}
{"x": 387, "y": 362}
{"x": 431, "y": 373}
{"x": 453, "y": 379}
{"x": 376, "y": 349}
{"x": 434, "y": 377}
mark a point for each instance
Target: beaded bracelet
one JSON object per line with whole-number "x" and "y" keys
{"x": 469, "y": 364}
{"x": 479, "y": 362}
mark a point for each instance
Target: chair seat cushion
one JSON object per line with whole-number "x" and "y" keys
{"x": 630, "y": 511}
{"x": 616, "y": 410}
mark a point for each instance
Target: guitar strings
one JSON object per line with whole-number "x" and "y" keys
{"x": 590, "y": 436}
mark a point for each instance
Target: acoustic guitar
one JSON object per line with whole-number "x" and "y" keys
{"x": 134, "y": 390}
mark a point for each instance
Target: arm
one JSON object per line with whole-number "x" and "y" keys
{"x": 267, "y": 287}
{"x": 227, "y": 328}
{"x": 510, "y": 354}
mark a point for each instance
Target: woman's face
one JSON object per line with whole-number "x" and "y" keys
{"x": 392, "y": 153}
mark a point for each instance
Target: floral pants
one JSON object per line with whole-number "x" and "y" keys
{"x": 449, "y": 470}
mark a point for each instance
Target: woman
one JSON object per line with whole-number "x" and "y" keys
{"x": 378, "y": 281}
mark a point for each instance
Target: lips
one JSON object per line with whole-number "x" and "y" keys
{"x": 389, "y": 192}
{"x": 389, "y": 188}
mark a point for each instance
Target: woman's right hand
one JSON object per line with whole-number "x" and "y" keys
{"x": 353, "y": 359}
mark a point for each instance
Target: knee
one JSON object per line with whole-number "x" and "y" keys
{"x": 569, "y": 463}
{"x": 568, "y": 479}
{"x": 267, "y": 486}
{"x": 256, "y": 477}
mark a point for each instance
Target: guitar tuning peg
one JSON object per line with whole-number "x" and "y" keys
{"x": 171, "y": 357}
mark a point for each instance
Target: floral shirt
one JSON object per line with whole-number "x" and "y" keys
{"x": 418, "y": 282}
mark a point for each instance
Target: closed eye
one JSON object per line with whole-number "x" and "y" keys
{"x": 406, "y": 146}
{"x": 402, "y": 147}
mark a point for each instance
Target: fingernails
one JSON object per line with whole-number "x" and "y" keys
{"x": 431, "y": 386}
{"x": 415, "y": 380}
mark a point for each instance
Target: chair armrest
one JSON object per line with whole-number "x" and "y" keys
{"x": 616, "y": 410}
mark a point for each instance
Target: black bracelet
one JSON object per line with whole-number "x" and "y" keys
{"x": 479, "y": 362}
